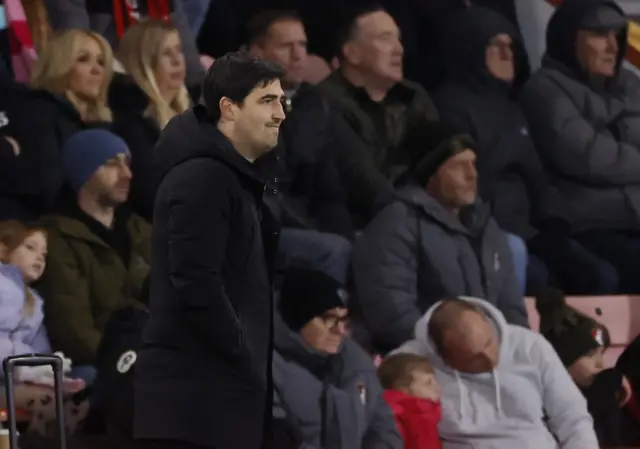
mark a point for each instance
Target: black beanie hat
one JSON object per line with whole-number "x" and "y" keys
{"x": 306, "y": 294}
{"x": 430, "y": 146}
{"x": 571, "y": 333}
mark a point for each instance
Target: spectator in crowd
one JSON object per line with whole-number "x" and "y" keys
{"x": 437, "y": 240}
{"x": 413, "y": 393}
{"x": 481, "y": 59}
{"x": 581, "y": 108}
{"x": 23, "y": 253}
{"x": 498, "y": 380}
{"x": 370, "y": 93}
{"x": 325, "y": 384}
{"x": 144, "y": 100}
{"x": 98, "y": 251}
{"x": 72, "y": 75}
{"x": 214, "y": 248}
{"x": 22, "y": 192}
{"x": 315, "y": 219}
{"x": 22, "y": 262}
{"x": 102, "y": 18}
{"x": 581, "y": 342}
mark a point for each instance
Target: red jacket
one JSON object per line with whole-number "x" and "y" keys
{"x": 417, "y": 419}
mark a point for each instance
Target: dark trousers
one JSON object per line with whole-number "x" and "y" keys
{"x": 570, "y": 265}
{"x": 167, "y": 444}
{"x": 619, "y": 248}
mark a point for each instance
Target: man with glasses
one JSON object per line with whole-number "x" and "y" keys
{"x": 321, "y": 377}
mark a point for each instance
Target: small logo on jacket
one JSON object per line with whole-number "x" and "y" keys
{"x": 598, "y": 336}
{"x": 126, "y": 361}
{"x": 362, "y": 391}
{"x": 4, "y": 120}
{"x": 343, "y": 295}
{"x": 524, "y": 131}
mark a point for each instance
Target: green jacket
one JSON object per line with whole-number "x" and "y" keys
{"x": 86, "y": 280}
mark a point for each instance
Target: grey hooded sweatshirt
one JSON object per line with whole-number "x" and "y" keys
{"x": 504, "y": 409}
{"x": 335, "y": 401}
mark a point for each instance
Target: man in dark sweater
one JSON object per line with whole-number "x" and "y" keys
{"x": 370, "y": 93}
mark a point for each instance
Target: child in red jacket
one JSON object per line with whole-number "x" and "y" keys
{"x": 413, "y": 393}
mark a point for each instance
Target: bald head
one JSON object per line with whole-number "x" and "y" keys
{"x": 464, "y": 336}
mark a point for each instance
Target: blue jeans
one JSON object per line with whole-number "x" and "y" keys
{"x": 304, "y": 248}
{"x": 520, "y": 259}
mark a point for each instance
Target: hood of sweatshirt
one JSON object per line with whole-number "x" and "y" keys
{"x": 503, "y": 408}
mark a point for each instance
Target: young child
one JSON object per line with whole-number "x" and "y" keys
{"x": 580, "y": 343}
{"x": 413, "y": 393}
{"x": 23, "y": 250}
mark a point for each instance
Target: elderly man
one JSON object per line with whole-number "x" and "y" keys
{"x": 498, "y": 382}
{"x": 583, "y": 108}
{"x": 327, "y": 392}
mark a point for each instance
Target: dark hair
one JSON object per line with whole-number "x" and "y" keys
{"x": 234, "y": 76}
{"x": 259, "y": 24}
{"x": 396, "y": 371}
{"x": 445, "y": 317}
{"x": 349, "y": 25}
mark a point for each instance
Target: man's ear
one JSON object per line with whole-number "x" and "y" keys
{"x": 351, "y": 52}
{"x": 227, "y": 109}
{"x": 256, "y": 50}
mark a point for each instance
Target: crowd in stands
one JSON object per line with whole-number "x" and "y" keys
{"x": 424, "y": 183}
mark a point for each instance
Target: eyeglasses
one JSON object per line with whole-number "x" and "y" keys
{"x": 333, "y": 321}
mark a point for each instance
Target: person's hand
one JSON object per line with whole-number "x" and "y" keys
{"x": 69, "y": 386}
{"x": 626, "y": 392}
{"x": 72, "y": 386}
{"x": 14, "y": 144}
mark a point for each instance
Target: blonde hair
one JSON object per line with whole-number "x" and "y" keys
{"x": 139, "y": 52}
{"x": 13, "y": 233}
{"x": 51, "y": 71}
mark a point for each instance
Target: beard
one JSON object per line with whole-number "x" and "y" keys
{"x": 112, "y": 197}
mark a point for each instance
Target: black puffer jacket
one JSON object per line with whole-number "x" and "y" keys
{"x": 511, "y": 177}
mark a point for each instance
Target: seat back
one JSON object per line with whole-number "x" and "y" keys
{"x": 620, "y": 315}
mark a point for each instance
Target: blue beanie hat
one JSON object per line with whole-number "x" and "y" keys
{"x": 86, "y": 151}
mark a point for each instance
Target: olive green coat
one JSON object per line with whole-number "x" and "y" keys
{"x": 86, "y": 280}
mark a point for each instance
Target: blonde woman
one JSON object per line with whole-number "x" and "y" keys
{"x": 144, "y": 99}
{"x": 69, "y": 93}
{"x": 75, "y": 68}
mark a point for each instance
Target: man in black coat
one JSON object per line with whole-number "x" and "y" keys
{"x": 203, "y": 375}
